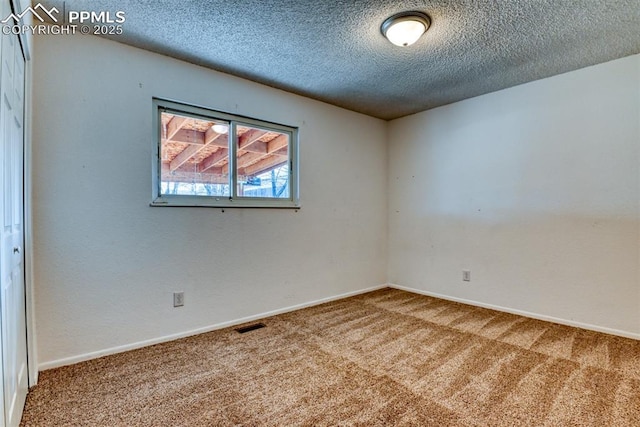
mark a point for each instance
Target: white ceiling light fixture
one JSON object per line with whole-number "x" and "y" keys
{"x": 220, "y": 128}
{"x": 405, "y": 28}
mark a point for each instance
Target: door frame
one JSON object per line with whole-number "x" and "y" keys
{"x": 26, "y": 44}
{"x": 32, "y": 355}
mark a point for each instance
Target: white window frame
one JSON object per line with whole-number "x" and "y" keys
{"x": 233, "y": 200}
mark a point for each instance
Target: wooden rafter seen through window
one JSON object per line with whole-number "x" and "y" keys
{"x": 193, "y": 151}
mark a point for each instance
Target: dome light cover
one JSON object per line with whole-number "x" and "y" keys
{"x": 404, "y": 29}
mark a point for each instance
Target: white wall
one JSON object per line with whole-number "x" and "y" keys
{"x": 535, "y": 189}
{"x": 106, "y": 263}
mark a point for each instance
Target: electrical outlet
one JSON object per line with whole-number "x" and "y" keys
{"x": 466, "y": 275}
{"x": 178, "y": 299}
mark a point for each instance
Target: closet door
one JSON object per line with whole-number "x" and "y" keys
{"x": 12, "y": 286}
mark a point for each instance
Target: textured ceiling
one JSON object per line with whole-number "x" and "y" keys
{"x": 332, "y": 50}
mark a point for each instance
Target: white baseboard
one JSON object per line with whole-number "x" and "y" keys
{"x": 133, "y": 346}
{"x": 581, "y": 325}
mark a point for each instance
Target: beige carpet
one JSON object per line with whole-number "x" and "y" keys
{"x": 384, "y": 358}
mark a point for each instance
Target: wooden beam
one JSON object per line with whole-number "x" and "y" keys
{"x": 192, "y": 150}
{"x": 278, "y": 143}
{"x": 250, "y": 138}
{"x": 175, "y": 124}
{"x": 186, "y": 136}
{"x": 264, "y": 164}
{"x": 166, "y": 171}
{"x": 214, "y": 159}
{"x": 282, "y": 152}
{"x": 205, "y": 178}
{"x": 218, "y": 139}
{"x": 249, "y": 158}
{"x": 256, "y": 147}
{"x": 281, "y": 146}
{"x": 184, "y": 156}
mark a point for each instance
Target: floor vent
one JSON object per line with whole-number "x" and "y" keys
{"x": 250, "y": 328}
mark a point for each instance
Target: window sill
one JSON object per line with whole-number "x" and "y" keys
{"x": 188, "y": 202}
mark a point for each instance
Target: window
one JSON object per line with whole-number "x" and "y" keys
{"x": 210, "y": 158}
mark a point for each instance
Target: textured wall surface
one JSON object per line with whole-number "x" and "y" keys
{"x": 106, "y": 263}
{"x": 333, "y": 50}
{"x": 535, "y": 189}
